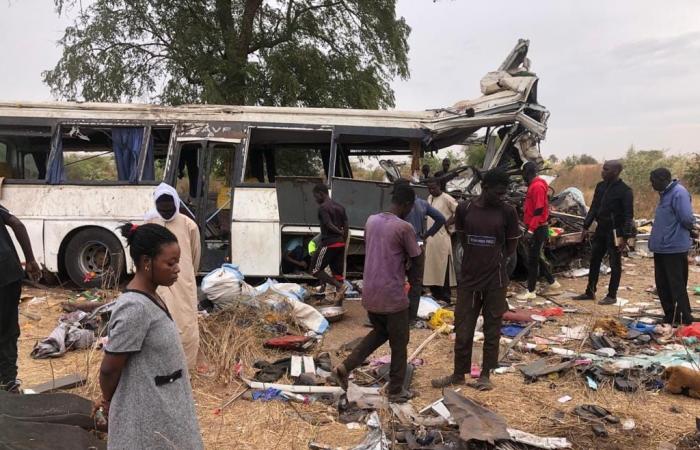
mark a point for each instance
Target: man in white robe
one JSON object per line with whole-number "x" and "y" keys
{"x": 181, "y": 297}
{"x": 439, "y": 272}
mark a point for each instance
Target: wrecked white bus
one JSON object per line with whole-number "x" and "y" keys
{"x": 72, "y": 172}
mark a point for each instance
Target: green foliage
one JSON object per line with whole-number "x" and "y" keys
{"x": 85, "y": 167}
{"x": 287, "y": 53}
{"x": 692, "y": 172}
{"x": 576, "y": 160}
{"x": 553, "y": 159}
{"x": 638, "y": 164}
{"x": 299, "y": 163}
{"x": 476, "y": 155}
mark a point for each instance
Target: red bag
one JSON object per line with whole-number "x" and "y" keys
{"x": 289, "y": 342}
{"x": 690, "y": 330}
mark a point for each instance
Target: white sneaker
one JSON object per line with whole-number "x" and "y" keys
{"x": 551, "y": 289}
{"x": 527, "y": 295}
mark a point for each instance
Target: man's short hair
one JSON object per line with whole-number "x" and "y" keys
{"x": 661, "y": 173}
{"x": 320, "y": 188}
{"x": 403, "y": 194}
{"x": 496, "y": 177}
{"x": 530, "y": 167}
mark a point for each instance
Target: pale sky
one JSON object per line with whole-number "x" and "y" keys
{"x": 612, "y": 73}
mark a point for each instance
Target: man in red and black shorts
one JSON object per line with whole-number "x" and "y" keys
{"x": 334, "y": 234}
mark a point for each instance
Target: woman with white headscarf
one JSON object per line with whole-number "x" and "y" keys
{"x": 181, "y": 297}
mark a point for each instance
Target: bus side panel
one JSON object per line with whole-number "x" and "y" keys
{"x": 255, "y": 231}
{"x": 50, "y": 213}
{"x": 256, "y": 248}
{"x": 255, "y": 204}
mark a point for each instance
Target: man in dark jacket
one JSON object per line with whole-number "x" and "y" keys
{"x": 613, "y": 211}
{"x": 670, "y": 241}
{"x": 11, "y": 275}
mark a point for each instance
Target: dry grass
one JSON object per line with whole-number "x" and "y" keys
{"x": 529, "y": 407}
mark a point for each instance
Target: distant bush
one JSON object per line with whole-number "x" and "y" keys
{"x": 579, "y": 160}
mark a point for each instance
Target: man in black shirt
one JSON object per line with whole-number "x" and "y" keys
{"x": 334, "y": 235}
{"x": 488, "y": 229}
{"x": 11, "y": 275}
{"x": 613, "y": 211}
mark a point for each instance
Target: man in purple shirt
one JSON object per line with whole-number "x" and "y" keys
{"x": 390, "y": 245}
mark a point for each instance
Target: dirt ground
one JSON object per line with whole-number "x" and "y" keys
{"x": 659, "y": 417}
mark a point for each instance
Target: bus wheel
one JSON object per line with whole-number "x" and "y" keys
{"x": 94, "y": 258}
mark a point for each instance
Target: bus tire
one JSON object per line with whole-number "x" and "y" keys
{"x": 94, "y": 258}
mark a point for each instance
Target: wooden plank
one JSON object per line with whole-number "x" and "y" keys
{"x": 295, "y": 369}
{"x": 309, "y": 366}
{"x": 65, "y": 382}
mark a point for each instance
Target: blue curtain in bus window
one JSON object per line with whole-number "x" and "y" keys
{"x": 126, "y": 143}
{"x": 56, "y": 173}
{"x": 149, "y": 171}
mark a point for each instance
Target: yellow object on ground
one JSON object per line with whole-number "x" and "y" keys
{"x": 440, "y": 318}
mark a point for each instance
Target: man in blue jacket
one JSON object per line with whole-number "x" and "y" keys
{"x": 670, "y": 241}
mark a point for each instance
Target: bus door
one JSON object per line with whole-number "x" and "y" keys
{"x": 205, "y": 171}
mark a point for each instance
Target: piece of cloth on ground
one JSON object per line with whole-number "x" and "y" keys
{"x": 542, "y": 367}
{"x": 475, "y": 421}
{"x": 40, "y": 436}
{"x": 59, "y": 408}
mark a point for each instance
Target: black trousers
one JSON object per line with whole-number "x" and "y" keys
{"x": 470, "y": 304}
{"x": 415, "y": 279}
{"x": 536, "y": 264}
{"x": 394, "y": 328}
{"x": 671, "y": 274}
{"x": 604, "y": 243}
{"x": 9, "y": 330}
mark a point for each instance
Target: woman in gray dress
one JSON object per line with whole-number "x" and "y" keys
{"x": 145, "y": 386}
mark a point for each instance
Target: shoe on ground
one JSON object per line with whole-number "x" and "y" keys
{"x": 608, "y": 300}
{"x": 449, "y": 380}
{"x": 551, "y": 289}
{"x": 400, "y": 397}
{"x": 13, "y": 387}
{"x": 340, "y": 295}
{"x": 585, "y": 296}
{"x": 341, "y": 376}
{"x": 527, "y": 295}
